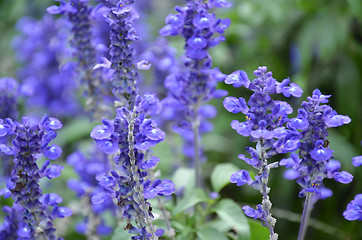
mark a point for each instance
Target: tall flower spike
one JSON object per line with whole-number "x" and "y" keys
{"x": 195, "y": 83}
{"x": 79, "y": 14}
{"x": 37, "y": 210}
{"x": 265, "y": 120}
{"x": 128, "y": 136}
{"x": 120, "y": 18}
{"x": 314, "y": 161}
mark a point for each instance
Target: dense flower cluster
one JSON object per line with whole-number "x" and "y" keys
{"x": 120, "y": 18}
{"x": 194, "y": 84}
{"x": 128, "y": 135}
{"x": 265, "y": 120}
{"x": 37, "y": 210}
{"x": 46, "y": 80}
{"x": 85, "y": 22}
{"x": 311, "y": 124}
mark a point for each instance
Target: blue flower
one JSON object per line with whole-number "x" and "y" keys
{"x": 354, "y": 209}
{"x": 265, "y": 124}
{"x": 128, "y": 135}
{"x": 37, "y": 210}
{"x": 191, "y": 86}
{"x": 241, "y": 177}
{"x": 310, "y": 131}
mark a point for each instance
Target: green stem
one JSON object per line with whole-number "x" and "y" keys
{"x": 305, "y": 217}
{"x": 198, "y": 174}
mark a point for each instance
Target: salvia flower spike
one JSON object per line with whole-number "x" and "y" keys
{"x": 37, "y": 210}
{"x": 194, "y": 84}
{"x": 265, "y": 120}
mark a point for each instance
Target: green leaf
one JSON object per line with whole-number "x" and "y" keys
{"x": 189, "y": 200}
{"x": 121, "y": 234}
{"x": 74, "y": 130}
{"x": 257, "y": 231}
{"x": 184, "y": 177}
{"x": 220, "y": 176}
{"x": 209, "y": 233}
{"x": 232, "y": 215}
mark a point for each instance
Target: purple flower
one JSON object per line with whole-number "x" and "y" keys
{"x": 315, "y": 164}
{"x": 354, "y": 209}
{"x": 30, "y": 204}
{"x": 241, "y": 177}
{"x": 193, "y": 84}
{"x": 234, "y": 105}
{"x": 127, "y": 135}
{"x": 265, "y": 124}
{"x": 237, "y": 79}
{"x": 357, "y": 161}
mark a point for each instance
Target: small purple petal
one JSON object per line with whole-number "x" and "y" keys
{"x": 150, "y": 193}
{"x": 357, "y": 161}
{"x": 159, "y": 232}
{"x": 343, "y": 177}
{"x": 321, "y": 154}
{"x": 54, "y": 123}
{"x": 107, "y": 146}
{"x": 238, "y": 79}
{"x": 52, "y": 152}
{"x": 4, "y": 129}
{"x": 337, "y": 120}
{"x": 241, "y": 177}
{"x": 7, "y": 150}
{"x": 54, "y": 10}
{"x": 101, "y": 132}
{"x": 64, "y": 212}
{"x": 53, "y": 171}
{"x": 150, "y": 163}
{"x": 99, "y": 198}
{"x": 242, "y": 128}
{"x": 234, "y": 105}
{"x": 291, "y": 174}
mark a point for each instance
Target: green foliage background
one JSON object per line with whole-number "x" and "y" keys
{"x": 317, "y": 43}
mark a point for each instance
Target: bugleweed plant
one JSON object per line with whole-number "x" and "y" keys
{"x": 82, "y": 62}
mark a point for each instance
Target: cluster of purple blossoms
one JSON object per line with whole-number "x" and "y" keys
{"x": 37, "y": 210}
{"x": 88, "y": 167}
{"x": 314, "y": 161}
{"x": 265, "y": 120}
{"x": 124, "y": 73}
{"x": 195, "y": 82}
{"x": 46, "y": 81}
{"x": 83, "y": 19}
{"x": 128, "y": 136}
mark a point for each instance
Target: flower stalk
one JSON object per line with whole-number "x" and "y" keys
{"x": 305, "y": 217}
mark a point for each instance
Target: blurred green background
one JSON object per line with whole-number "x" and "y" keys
{"x": 317, "y": 43}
